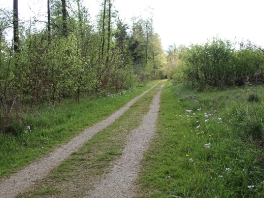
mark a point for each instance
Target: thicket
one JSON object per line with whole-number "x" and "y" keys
{"x": 219, "y": 64}
{"x": 70, "y": 57}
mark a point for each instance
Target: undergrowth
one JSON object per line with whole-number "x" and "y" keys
{"x": 207, "y": 145}
{"x": 44, "y": 129}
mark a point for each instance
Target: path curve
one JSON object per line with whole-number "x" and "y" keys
{"x": 25, "y": 178}
{"x": 119, "y": 182}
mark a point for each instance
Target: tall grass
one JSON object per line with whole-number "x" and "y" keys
{"x": 205, "y": 145}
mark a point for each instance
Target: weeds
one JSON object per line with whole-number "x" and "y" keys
{"x": 198, "y": 150}
{"x": 44, "y": 129}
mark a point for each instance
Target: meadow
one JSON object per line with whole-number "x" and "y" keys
{"x": 208, "y": 144}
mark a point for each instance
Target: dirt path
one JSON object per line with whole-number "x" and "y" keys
{"x": 119, "y": 182}
{"x": 23, "y": 179}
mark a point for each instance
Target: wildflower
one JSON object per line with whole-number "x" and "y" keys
{"x": 206, "y": 120}
{"x": 198, "y": 126}
{"x": 29, "y": 128}
{"x": 191, "y": 160}
{"x": 220, "y": 176}
{"x": 199, "y": 109}
{"x": 188, "y": 111}
{"x": 219, "y": 119}
{"x": 205, "y": 115}
{"x": 187, "y": 155}
{"x": 251, "y": 186}
{"x": 228, "y": 169}
{"x": 202, "y": 132}
{"x": 193, "y": 113}
{"x": 208, "y": 145}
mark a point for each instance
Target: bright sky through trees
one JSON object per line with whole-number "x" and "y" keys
{"x": 183, "y": 21}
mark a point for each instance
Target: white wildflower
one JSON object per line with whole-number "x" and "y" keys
{"x": 228, "y": 169}
{"x": 29, "y": 128}
{"x": 199, "y": 109}
{"x": 219, "y": 119}
{"x": 251, "y": 186}
{"x": 198, "y": 126}
{"x": 208, "y": 145}
{"x": 191, "y": 160}
{"x": 206, "y": 116}
{"x": 188, "y": 111}
{"x": 206, "y": 120}
{"x": 220, "y": 176}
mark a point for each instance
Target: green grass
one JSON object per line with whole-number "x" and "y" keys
{"x": 208, "y": 153}
{"x": 50, "y": 127}
{"x": 75, "y": 176}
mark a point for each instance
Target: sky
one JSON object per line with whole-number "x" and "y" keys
{"x": 182, "y": 22}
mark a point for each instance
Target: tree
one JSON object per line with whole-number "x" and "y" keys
{"x": 64, "y": 18}
{"x": 48, "y": 12}
{"x": 15, "y": 26}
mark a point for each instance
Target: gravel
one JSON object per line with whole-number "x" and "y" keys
{"x": 18, "y": 182}
{"x": 119, "y": 183}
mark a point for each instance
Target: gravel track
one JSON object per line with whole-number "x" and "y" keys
{"x": 119, "y": 183}
{"x": 25, "y": 178}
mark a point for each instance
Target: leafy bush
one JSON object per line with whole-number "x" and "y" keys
{"x": 219, "y": 64}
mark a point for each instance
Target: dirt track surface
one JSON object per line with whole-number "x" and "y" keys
{"x": 118, "y": 183}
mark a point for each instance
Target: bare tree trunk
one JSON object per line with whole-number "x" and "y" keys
{"x": 15, "y": 26}
{"x": 109, "y": 33}
{"x": 147, "y": 45}
{"x": 49, "y": 30}
{"x": 103, "y": 30}
{"x": 64, "y": 18}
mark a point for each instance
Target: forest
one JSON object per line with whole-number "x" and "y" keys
{"x": 71, "y": 57}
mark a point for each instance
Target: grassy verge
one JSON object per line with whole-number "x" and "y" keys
{"x": 214, "y": 149}
{"x": 75, "y": 176}
{"x": 47, "y": 128}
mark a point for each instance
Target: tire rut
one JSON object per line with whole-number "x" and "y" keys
{"x": 119, "y": 183}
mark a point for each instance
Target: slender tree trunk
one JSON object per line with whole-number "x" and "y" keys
{"x": 109, "y": 33}
{"x": 49, "y": 30}
{"x": 103, "y": 30}
{"x": 15, "y": 26}
{"x": 147, "y": 45}
{"x": 64, "y": 18}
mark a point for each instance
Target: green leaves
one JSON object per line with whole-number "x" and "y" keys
{"x": 219, "y": 64}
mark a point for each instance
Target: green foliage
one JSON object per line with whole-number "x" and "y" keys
{"x": 201, "y": 153}
{"x": 219, "y": 64}
{"x": 42, "y": 129}
{"x": 53, "y": 65}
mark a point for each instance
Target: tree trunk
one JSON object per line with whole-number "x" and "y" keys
{"x": 109, "y": 33}
{"x": 147, "y": 45}
{"x": 15, "y": 26}
{"x": 103, "y": 31}
{"x": 64, "y": 18}
{"x": 49, "y": 30}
